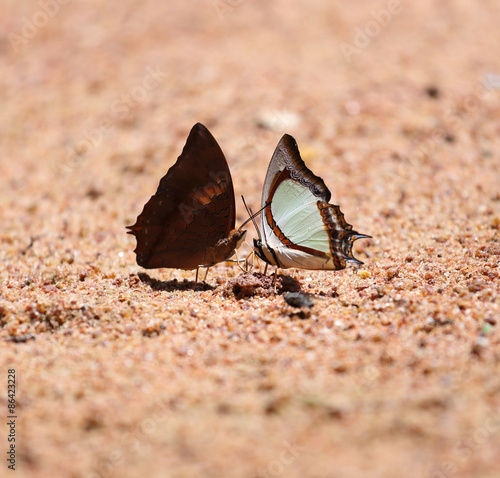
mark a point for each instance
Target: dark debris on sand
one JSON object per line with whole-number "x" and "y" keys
{"x": 255, "y": 284}
{"x": 298, "y": 299}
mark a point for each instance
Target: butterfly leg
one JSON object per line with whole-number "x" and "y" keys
{"x": 252, "y": 254}
{"x": 206, "y": 274}
{"x": 248, "y": 267}
{"x": 275, "y": 278}
{"x": 238, "y": 261}
{"x": 249, "y": 246}
{"x": 196, "y": 278}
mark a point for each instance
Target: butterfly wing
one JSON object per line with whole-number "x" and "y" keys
{"x": 299, "y": 226}
{"x": 192, "y": 210}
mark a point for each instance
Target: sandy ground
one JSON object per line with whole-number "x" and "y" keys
{"x": 395, "y": 369}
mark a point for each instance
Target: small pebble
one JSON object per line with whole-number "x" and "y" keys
{"x": 298, "y": 299}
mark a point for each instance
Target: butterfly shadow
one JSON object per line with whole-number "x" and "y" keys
{"x": 174, "y": 284}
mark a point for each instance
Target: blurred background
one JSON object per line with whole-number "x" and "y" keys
{"x": 98, "y": 97}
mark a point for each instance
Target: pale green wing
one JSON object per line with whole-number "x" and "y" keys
{"x": 296, "y": 213}
{"x": 302, "y": 229}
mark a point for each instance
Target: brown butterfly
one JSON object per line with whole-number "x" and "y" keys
{"x": 190, "y": 220}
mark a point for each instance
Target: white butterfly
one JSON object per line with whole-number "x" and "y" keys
{"x": 300, "y": 229}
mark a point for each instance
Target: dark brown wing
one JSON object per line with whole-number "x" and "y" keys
{"x": 192, "y": 210}
{"x": 287, "y": 163}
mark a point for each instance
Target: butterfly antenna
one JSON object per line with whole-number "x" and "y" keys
{"x": 252, "y": 217}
